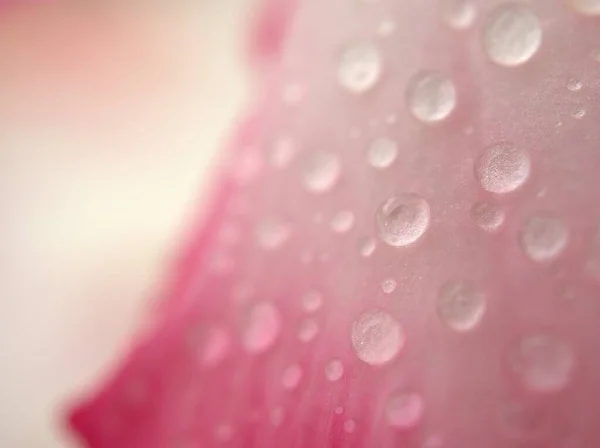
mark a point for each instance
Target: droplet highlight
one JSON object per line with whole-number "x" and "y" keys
{"x": 360, "y": 68}
{"x": 543, "y": 237}
{"x": 342, "y": 221}
{"x": 458, "y": 14}
{"x": 334, "y": 370}
{"x": 512, "y": 34}
{"x": 586, "y": 7}
{"x": 292, "y": 377}
{"x": 389, "y": 285}
{"x": 461, "y": 305}
{"x": 502, "y": 168}
{"x": 488, "y": 217}
{"x": 431, "y": 97}
{"x": 377, "y": 337}
{"x": 308, "y": 330}
{"x": 403, "y": 219}
{"x": 312, "y": 301}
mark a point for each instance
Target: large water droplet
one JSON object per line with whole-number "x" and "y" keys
{"x": 461, "y": 305}
{"x": 489, "y": 217}
{"x": 403, "y": 219}
{"x": 291, "y": 377}
{"x": 404, "y": 410}
{"x": 382, "y": 153}
{"x": 312, "y": 301}
{"x": 458, "y": 14}
{"x": 543, "y": 237}
{"x": 543, "y": 363}
{"x": 262, "y": 326}
{"x": 502, "y": 168}
{"x": 431, "y": 97}
{"x": 512, "y": 34}
{"x": 586, "y": 7}
{"x": 377, "y": 337}
{"x": 360, "y": 68}
{"x": 334, "y": 370}
{"x": 321, "y": 172}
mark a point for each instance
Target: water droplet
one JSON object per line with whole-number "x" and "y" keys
{"x": 488, "y": 217}
{"x": 502, "y": 168}
{"x": 276, "y": 416}
{"x": 543, "y": 237}
{"x": 262, "y": 327}
{"x": 382, "y": 153}
{"x": 272, "y": 234}
{"x": 308, "y": 330}
{"x": 342, "y": 222}
{"x": 334, "y": 370}
{"x": 282, "y": 153}
{"x": 349, "y": 426}
{"x": 339, "y": 410}
{"x": 461, "y": 305}
{"x": 389, "y": 285}
{"x": 360, "y": 68}
{"x": 292, "y": 376}
{"x": 386, "y": 28}
{"x": 586, "y": 7}
{"x": 404, "y": 410}
{"x": 366, "y": 246}
{"x": 574, "y": 85}
{"x": 431, "y": 97}
{"x": 543, "y": 363}
{"x": 224, "y": 432}
{"x": 458, "y": 14}
{"x": 216, "y": 346}
{"x": 512, "y": 34}
{"x": 321, "y": 172}
{"x": 403, "y": 219}
{"x": 312, "y": 301}
{"x": 377, "y": 337}
{"x": 578, "y": 113}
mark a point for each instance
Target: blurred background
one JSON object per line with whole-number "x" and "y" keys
{"x": 111, "y": 115}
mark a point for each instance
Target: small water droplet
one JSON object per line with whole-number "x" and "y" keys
{"x": 377, "y": 337}
{"x": 308, "y": 330}
{"x": 382, "y": 153}
{"x": 543, "y": 363}
{"x": 431, "y": 97}
{"x": 389, "y": 285}
{"x": 262, "y": 326}
{"x": 349, "y": 426}
{"x": 578, "y": 113}
{"x": 574, "y": 85}
{"x": 403, "y": 219}
{"x": 216, "y": 346}
{"x": 312, "y": 301}
{"x": 488, "y": 217}
{"x": 360, "y": 68}
{"x": 543, "y": 237}
{"x": 512, "y": 34}
{"x": 293, "y": 93}
{"x": 339, "y": 410}
{"x": 342, "y": 222}
{"x": 292, "y": 376}
{"x": 458, "y": 14}
{"x": 386, "y": 28}
{"x": 404, "y": 410}
{"x": 586, "y": 7}
{"x": 224, "y": 432}
{"x": 334, "y": 370}
{"x": 502, "y": 168}
{"x": 366, "y": 246}
{"x": 282, "y": 152}
{"x": 461, "y": 305}
{"x": 321, "y": 172}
